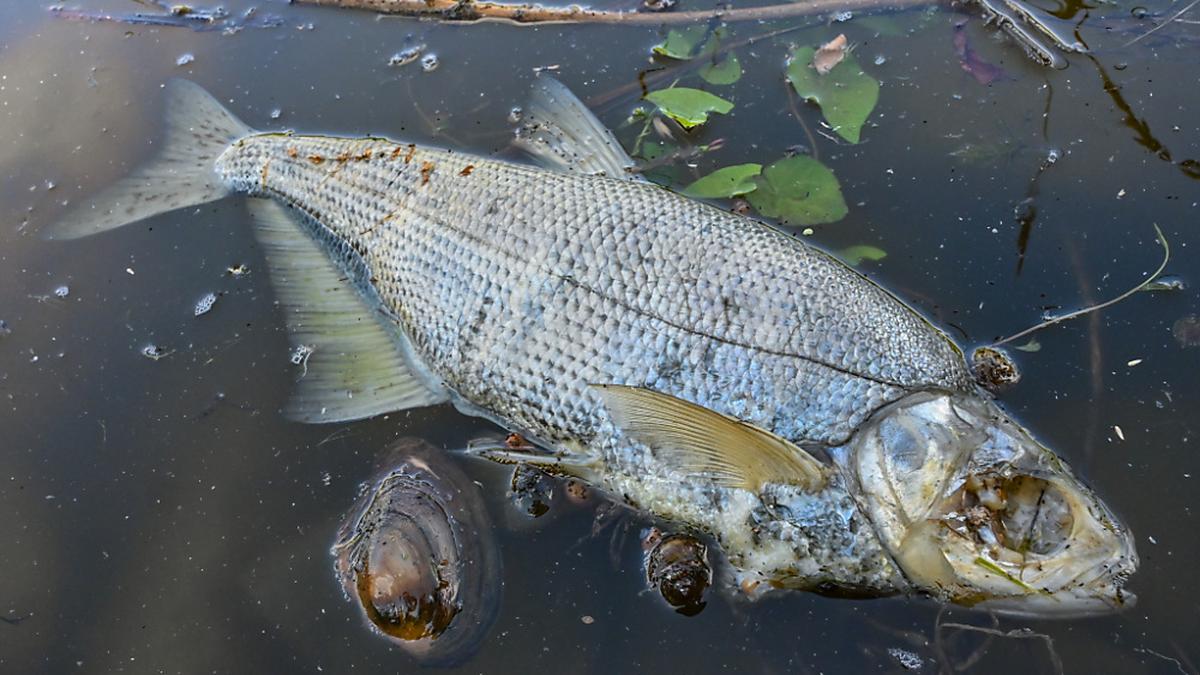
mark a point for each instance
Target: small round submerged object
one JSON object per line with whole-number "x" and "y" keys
{"x": 677, "y": 565}
{"x": 418, "y": 555}
{"x": 1187, "y": 331}
{"x": 993, "y": 369}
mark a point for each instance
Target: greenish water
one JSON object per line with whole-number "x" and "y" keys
{"x": 162, "y": 516}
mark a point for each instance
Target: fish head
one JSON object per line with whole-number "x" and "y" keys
{"x": 975, "y": 511}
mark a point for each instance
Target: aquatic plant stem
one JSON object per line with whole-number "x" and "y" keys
{"x": 482, "y": 10}
{"x": 1093, "y": 308}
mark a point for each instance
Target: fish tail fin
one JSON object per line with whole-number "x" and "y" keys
{"x": 183, "y": 174}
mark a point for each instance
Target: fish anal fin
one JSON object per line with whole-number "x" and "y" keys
{"x": 351, "y": 365}
{"x": 559, "y": 132}
{"x": 696, "y": 440}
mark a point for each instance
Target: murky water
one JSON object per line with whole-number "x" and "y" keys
{"x": 161, "y": 516}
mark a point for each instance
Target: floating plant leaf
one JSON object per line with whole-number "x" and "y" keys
{"x": 730, "y": 181}
{"x": 681, "y": 44}
{"x": 799, "y": 191}
{"x": 723, "y": 71}
{"x": 846, "y": 94}
{"x": 689, "y": 107}
{"x": 854, "y": 255}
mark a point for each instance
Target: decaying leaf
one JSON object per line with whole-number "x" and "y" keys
{"x": 799, "y": 191}
{"x": 829, "y": 55}
{"x": 846, "y": 94}
{"x": 730, "y": 181}
{"x": 689, "y": 107}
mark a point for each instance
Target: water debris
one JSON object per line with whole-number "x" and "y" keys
{"x": 984, "y": 73}
{"x": 515, "y": 115}
{"x": 62, "y": 291}
{"x": 185, "y": 59}
{"x": 178, "y": 16}
{"x": 4, "y": 329}
{"x": 429, "y": 63}
{"x": 531, "y": 490}
{"x": 1187, "y": 331}
{"x": 994, "y": 370}
{"x": 1133, "y": 362}
{"x": 587, "y": 619}
{"x": 829, "y": 54}
{"x": 842, "y": 16}
{"x": 300, "y": 356}
{"x": 677, "y": 566}
{"x": 1167, "y": 282}
{"x": 1162, "y": 240}
{"x": 907, "y": 660}
{"x": 155, "y": 352}
{"x": 1117, "y": 430}
{"x": 658, "y": 5}
{"x": 406, "y": 56}
{"x": 205, "y": 304}
{"x": 276, "y": 113}
{"x": 1030, "y": 347}
{"x": 239, "y": 270}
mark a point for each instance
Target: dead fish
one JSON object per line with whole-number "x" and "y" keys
{"x": 419, "y": 557}
{"x": 698, "y": 365}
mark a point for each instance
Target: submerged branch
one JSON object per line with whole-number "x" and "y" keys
{"x": 1093, "y": 308}
{"x": 480, "y": 10}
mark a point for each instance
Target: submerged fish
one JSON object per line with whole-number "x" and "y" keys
{"x": 698, "y": 365}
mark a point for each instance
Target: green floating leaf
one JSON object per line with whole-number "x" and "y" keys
{"x": 854, "y": 255}
{"x": 689, "y": 107}
{"x": 846, "y": 94}
{"x": 799, "y": 191}
{"x": 724, "y": 71}
{"x": 681, "y": 44}
{"x": 730, "y": 181}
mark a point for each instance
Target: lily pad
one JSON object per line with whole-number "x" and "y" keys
{"x": 846, "y": 94}
{"x": 682, "y": 44}
{"x": 730, "y": 181}
{"x": 854, "y": 255}
{"x": 689, "y": 107}
{"x": 725, "y": 71}
{"x": 799, "y": 191}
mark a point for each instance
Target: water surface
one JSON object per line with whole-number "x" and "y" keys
{"x": 162, "y": 516}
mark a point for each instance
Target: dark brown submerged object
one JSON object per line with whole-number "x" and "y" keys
{"x": 419, "y": 556}
{"x": 677, "y": 565}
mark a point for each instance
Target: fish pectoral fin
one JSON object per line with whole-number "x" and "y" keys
{"x": 559, "y": 132}
{"x": 351, "y": 365}
{"x": 577, "y": 465}
{"x": 697, "y": 440}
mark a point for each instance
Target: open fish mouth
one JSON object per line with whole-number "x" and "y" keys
{"x": 977, "y": 512}
{"x": 1029, "y": 545}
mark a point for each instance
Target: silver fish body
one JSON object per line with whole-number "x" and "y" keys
{"x": 688, "y": 360}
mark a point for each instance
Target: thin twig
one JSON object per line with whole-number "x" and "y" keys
{"x": 1017, "y": 633}
{"x": 1087, "y": 310}
{"x": 474, "y": 10}
{"x": 1168, "y": 21}
{"x": 812, "y": 141}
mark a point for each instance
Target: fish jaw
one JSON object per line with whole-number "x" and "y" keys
{"x": 978, "y": 513}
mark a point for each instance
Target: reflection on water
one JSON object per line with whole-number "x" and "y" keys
{"x": 161, "y": 515}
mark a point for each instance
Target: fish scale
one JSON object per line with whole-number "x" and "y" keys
{"x": 520, "y": 287}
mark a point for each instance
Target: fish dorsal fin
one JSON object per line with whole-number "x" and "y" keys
{"x": 696, "y": 439}
{"x": 561, "y": 133}
{"x": 352, "y": 366}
